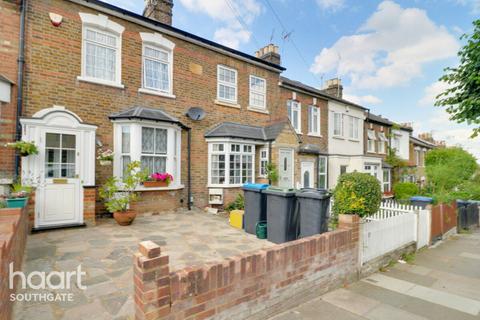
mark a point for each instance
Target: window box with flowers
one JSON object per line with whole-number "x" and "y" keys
{"x": 158, "y": 180}
{"x": 105, "y": 157}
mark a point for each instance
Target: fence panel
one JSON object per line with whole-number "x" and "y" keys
{"x": 392, "y": 227}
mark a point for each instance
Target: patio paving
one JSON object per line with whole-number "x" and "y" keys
{"x": 105, "y": 253}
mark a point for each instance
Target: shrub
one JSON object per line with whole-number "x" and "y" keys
{"x": 357, "y": 193}
{"x": 405, "y": 190}
{"x": 238, "y": 204}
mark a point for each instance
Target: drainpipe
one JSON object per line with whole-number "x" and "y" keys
{"x": 21, "y": 62}
{"x": 269, "y": 158}
{"x": 189, "y": 177}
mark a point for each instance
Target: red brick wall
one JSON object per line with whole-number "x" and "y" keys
{"x": 13, "y": 237}
{"x": 54, "y": 62}
{"x": 9, "y": 32}
{"x": 245, "y": 285}
{"x": 89, "y": 200}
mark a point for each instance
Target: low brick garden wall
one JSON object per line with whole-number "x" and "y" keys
{"x": 251, "y": 285}
{"x": 14, "y": 227}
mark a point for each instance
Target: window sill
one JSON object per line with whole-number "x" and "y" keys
{"x": 314, "y": 135}
{"x": 169, "y": 188}
{"x": 338, "y": 137}
{"x": 227, "y": 104}
{"x": 157, "y": 93}
{"x": 372, "y": 152}
{"x": 225, "y": 186}
{"x": 298, "y": 132}
{"x": 257, "y": 109}
{"x": 101, "y": 82}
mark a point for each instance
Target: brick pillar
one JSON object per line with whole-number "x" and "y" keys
{"x": 152, "y": 282}
{"x": 350, "y": 221}
{"x": 89, "y": 199}
{"x": 31, "y": 210}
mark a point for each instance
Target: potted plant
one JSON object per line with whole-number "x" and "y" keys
{"x": 105, "y": 157}
{"x": 120, "y": 193}
{"x": 18, "y": 195}
{"x": 24, "y": 148}
{"x": 158, "y": 179}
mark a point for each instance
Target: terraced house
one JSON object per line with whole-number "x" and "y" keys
{"x": 95, "y": 77}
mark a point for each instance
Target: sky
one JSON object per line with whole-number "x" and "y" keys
{"x": 389, "y": 54}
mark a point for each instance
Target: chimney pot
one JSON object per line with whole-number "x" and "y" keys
{"x": 160, "y": 10}
{"x": 269, "y": 53}
{"x": 334, "y": 88}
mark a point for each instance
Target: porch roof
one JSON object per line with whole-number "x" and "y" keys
{"x": 144, "y": 113}
{"x": 310, "y": 148}
{"x": 243, "y": 131}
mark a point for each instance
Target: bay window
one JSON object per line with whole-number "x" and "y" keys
{"x": 231, "y": 163}
{"x": 156, "y": 145}
{"x": 101, "y": 50}
{"x": 263, "y": 162}
{"x": 226, "y": 84}
{"x": 322, "y": 172}
{"x": 313, "y": 120}
{"x": 386, "y": 180}
{"x": 294, "y": 114}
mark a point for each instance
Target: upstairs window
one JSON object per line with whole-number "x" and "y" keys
{"x": 257, "y": 92}
{"x": 101, "y": 50}
{"x": 227, "y": 84}
{"x": 157, "y": 64}
{"x": 372, "y": 137}
{"x": 294, "y": 114}
{"x": 313, "y": 120}
{"x": 382, "y": 142}
{"x": 353, "y": 127}
{"x": 337, "y": 124}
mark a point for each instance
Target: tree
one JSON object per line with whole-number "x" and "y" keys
{"x": 448, "y": 168}
{"x": 462, "y": 99}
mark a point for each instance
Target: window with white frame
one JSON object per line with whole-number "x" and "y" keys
{"x": 226, "y": 84}
{"x": 382, "y": 141}
{"x": 372, "y": 137}
{"x": 263, "y": 161}
{"x": 231, "y": 163}
{"x": 157, "y": 146}
{"x": 313, "y": 120}
{"x": 258, "y": 89}
{"x": 338, "y": 124}
{"x": 386, "y": 180}
{"x": 322, "y": 172}
{"x": 353, "y": 127}
{"x": 157, "y": 63}
{"x": 101, "y": 49}
{"x": 417, "y": 156}
{"x": 295, "y": 115}
{"x": 371, "y": 169}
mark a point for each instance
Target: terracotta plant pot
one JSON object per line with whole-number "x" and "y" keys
{"x": 125, "y": 218}
{"x": 155, "y": 184}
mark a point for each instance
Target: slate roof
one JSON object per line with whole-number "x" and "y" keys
{"x": 318, "y": 92}
{"x": 243, "y": 131}
{"x": 379, "y": 119}
{"x": 144, "y": 113}
{"x": 309, "y": 148}
{"x": 421, "y": 142}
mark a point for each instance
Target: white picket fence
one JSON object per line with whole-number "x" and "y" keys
{"x": 392, "y": 227}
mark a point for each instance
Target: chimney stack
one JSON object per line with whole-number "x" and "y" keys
{"x": 269, "y": 53}
{"x": 334, "y": 88}
{"x": 160, "y": 10}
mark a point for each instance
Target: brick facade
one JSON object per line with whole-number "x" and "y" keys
{"x": 250, "y": 285}
{"x": 9, "y": 35}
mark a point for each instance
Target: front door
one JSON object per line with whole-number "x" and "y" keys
{"x": 307, "y": 174}
{"x": 60, "y": 192}
{"x": 285, "y": 168}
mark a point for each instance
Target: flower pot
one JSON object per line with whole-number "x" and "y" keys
{"x": 105, "y": 162}
{"x": 155, "y": 184}
{"x": 125, "y": 218}
{"x": 16, "y": 202}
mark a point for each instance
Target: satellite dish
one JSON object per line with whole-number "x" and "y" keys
{"x": 196, "y": 113}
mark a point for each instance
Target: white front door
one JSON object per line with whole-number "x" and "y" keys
{"x": 60, "y": 193}
{"x": 307, "y": 177}
{"x": 285, "y": 168}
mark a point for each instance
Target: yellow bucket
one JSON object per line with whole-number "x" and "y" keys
{"x": 236, "y": 218}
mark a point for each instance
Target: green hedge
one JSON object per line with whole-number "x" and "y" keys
{"x": 357, "y": 193}
{"x": 405, "y": 190}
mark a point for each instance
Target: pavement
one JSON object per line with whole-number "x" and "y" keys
{"x": 442, "y": 283}
{"x": 105, "y": 253}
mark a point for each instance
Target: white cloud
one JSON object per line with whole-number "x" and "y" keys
{"x": 237, "y": 15}
{"x": 331, "y": 5}
{"x": 362, "y": 100}
{"x": 431, "y": 92}
{"x": 473, "y": 4}
{"x": 389, "y": 49}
